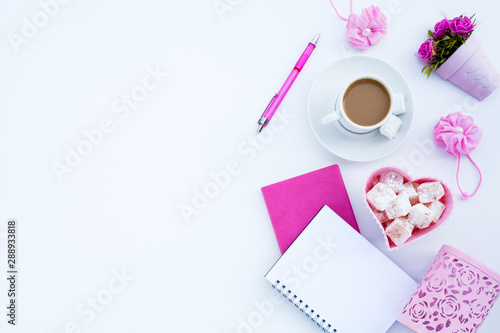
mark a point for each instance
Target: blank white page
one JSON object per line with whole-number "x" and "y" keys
{"x": 342, "y": 277}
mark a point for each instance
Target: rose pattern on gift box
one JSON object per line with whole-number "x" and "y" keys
{"x": 454, "y": 296}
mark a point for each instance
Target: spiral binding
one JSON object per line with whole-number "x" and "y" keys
{"x": 292, "y": 298}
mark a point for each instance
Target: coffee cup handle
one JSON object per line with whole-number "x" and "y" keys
{"x": 330, "y": 117}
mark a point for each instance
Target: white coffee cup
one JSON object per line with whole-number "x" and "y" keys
{"x": 339, "y": 114}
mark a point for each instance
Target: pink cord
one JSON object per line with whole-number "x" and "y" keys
{"x": 466, "y": 195}
{"x": 343, "y": 18}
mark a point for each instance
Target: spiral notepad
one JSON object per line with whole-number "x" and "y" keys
{"x": 339, "y": 279}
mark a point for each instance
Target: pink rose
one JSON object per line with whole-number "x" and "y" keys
{"x": 427, "y": 50}
{"x": 461, "y": 25}
{"x": 440, "y": 28}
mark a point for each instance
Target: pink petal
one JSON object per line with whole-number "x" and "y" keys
{"x": 465, "y": 122}
{"x": 359, "y": 44}
{"x": 354, "y": 21}
{"x": 474, "y": 136}
{"x": 376, "y": 36}
{"x": 355, "y": 34}
{"x": 453, "y": 119}
{"x": 375, "y": 17}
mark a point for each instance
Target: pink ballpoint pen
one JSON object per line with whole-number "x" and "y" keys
{"x": 276, "y": 100}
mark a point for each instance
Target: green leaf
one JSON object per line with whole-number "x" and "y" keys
{"x": 430, "y": 33}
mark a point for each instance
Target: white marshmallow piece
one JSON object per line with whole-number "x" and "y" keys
{"x": 420, "y": 216}
{"x": 399, "y": 106}
{"x": 380, "y": 196}
{"x": 381, "y": 216}
{"x": 391, "y": 127}
{"x": 429, "y": 192}
{"x": 410, "y": 188}
{"x": 399, "y": 230}
{"x": 392, "y": 179}
{"x": 437, "y": 208}
{"x": 399, "y": 206}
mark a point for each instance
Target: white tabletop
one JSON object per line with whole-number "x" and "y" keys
{"x": 102, "y": 243}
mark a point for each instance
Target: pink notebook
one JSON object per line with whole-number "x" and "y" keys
{"x": 294, "y": 202}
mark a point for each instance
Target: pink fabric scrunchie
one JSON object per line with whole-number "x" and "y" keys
{"x": 364, "y": 30}
{"x": 460, "y": 136}
{"x": 367, "y": 29}
{"x": 458, "y": 133}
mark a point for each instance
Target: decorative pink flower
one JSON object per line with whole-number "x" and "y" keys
{"x": 427, "y": 49}
{"x": 458, "y": 133}
{"x": 368, "y": 29}
{"x": 436, "y": 284}
{"x": 440, "y": 28}
{"x": 467, "y": 277}
{"x": 477, "y": 309}
{"x": 448, "y": 306}
{"x": 418, "y": 311}
{"x": 461, "y": 25}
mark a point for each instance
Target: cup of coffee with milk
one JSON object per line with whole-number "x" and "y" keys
{"x": 364, "y": 105}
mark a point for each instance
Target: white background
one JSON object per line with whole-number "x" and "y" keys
{"x": 118, "y": 210}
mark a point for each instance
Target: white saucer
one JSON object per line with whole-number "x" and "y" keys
{"x": 335, "y": 138}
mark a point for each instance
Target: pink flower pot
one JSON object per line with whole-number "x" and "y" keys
{"x": 471, "y": 69}
{"x": 455, "y": 295}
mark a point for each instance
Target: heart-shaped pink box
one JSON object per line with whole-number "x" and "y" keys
{"x": 447, "y": 199}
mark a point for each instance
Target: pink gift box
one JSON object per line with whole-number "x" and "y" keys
{"x": 447, "y": 199}
{"x": 455, "y": 295}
